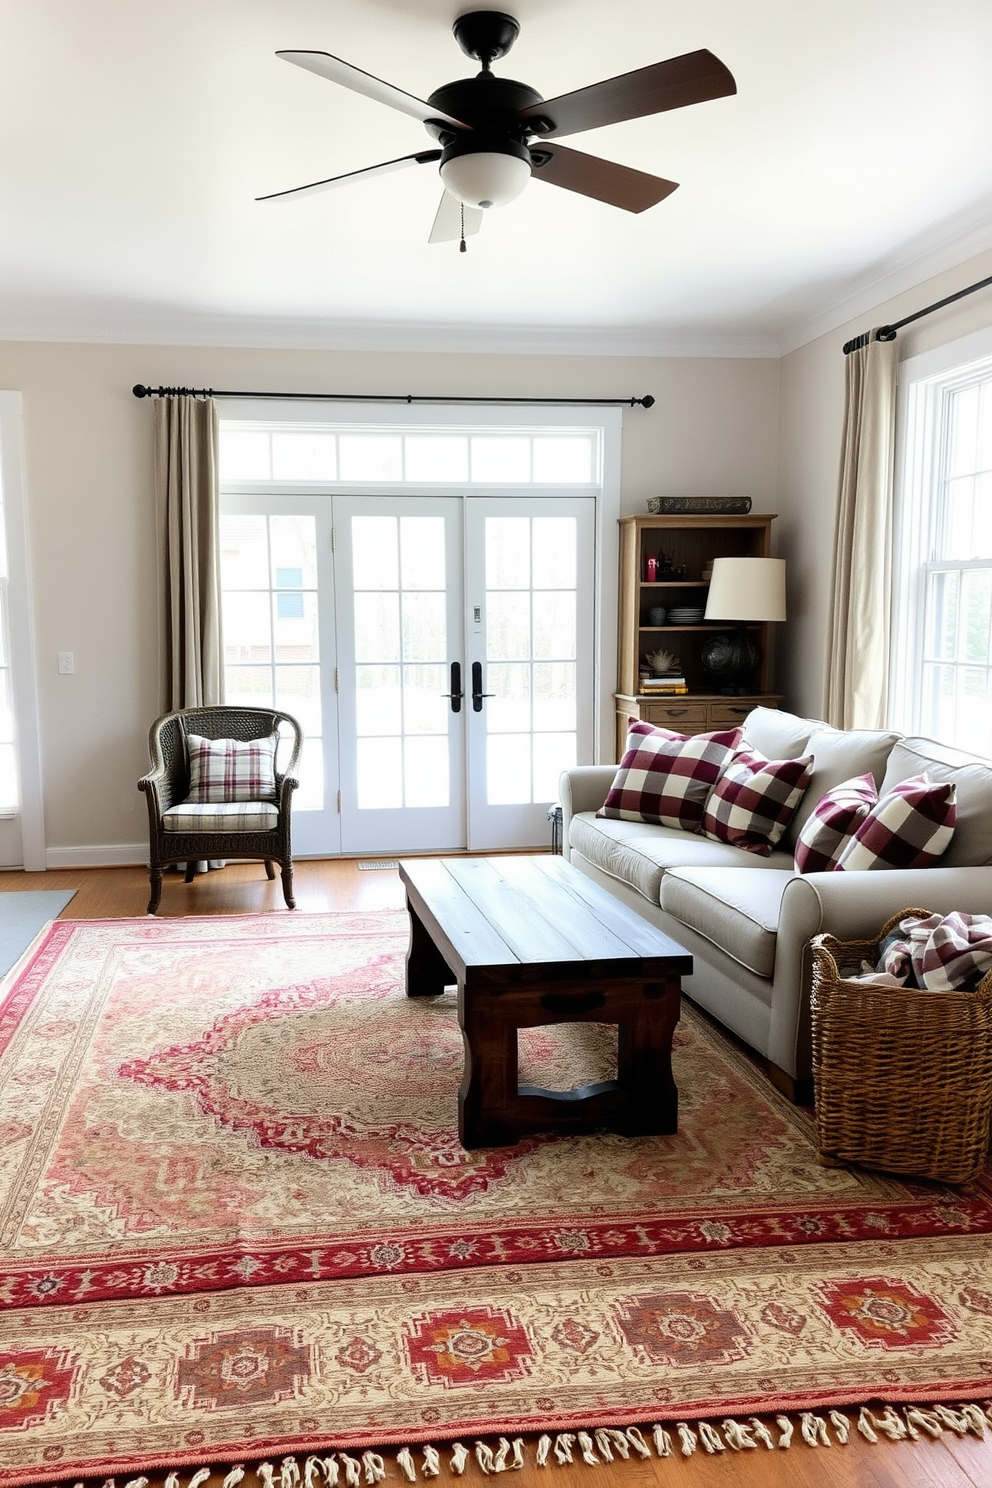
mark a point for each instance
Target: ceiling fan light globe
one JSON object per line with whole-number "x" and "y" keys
{"x": 485, "y": 178}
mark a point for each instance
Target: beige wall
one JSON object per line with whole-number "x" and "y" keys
{"x": 810, "y": 418}
{"x": 713, "y": 431}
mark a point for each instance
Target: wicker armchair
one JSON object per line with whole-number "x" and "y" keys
{"x": 166, "y": 786}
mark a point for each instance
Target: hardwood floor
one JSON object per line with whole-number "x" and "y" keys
{"x": 950, "y": 1462}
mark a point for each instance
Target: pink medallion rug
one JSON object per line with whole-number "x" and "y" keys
{"x": 236, "y": 1221}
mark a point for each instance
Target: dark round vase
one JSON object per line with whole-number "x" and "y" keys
{"x": 729, "y": 659}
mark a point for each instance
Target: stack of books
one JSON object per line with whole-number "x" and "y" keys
{"x": 665, "y": 684}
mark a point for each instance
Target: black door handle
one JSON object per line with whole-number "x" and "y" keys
{"x": 456, "y": 693}
{"x": 477, "y": 692}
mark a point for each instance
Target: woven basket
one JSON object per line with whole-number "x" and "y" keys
{"x": 903, "y": 1077}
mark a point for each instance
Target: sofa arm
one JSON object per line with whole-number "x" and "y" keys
{"x": 582, "y": 789}
{"x": 851, "y": 906}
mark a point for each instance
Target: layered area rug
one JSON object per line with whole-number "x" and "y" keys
{"x": 23, "y": 915}
{"x": 236, "y": 1221}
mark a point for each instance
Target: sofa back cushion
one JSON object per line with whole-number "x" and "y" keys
{"x": 665, "y": 778}
{"x": 755, "y": 799}
{"x": 840, "y": 755}
{"x": 777, "y": 734}
{"x": 971, "y": 845}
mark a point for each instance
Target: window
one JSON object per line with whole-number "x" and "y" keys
{"x": 942, "y": 655}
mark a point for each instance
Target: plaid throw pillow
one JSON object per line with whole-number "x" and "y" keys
{"x": 834, "y": 820}
{"x": 232, "y": 769}
{"x": 910, "y": 827}
{"x": 665, "y": 778}
{"x": 755, "y": 799}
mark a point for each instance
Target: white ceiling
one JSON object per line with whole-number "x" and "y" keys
{"x": 134, "y": 138}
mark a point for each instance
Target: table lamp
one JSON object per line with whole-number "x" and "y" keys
{"x": 745, "y": 590}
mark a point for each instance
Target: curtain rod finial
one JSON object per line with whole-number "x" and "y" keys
{"x": 140, "y": 391}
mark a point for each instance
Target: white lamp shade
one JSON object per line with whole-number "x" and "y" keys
{"x": 747, "y": 589}
{"x": 485, "y": 178}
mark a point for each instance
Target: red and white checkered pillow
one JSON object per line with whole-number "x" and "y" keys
{"x": 665, "y": 778}
{"x": 910, "y": 827}
{"x": 232, "y": 769}
{"x": 833, "y": 822}
{"x": 755, "y": 799}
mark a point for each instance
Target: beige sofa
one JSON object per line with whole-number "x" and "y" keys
{"x": 748, "y": 920}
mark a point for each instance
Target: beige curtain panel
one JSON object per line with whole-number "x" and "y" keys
{"x": 186, "y": 509}
{"x": 860, "y": 624}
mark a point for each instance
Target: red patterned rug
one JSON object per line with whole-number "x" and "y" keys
{"x": 236, "y": 1221}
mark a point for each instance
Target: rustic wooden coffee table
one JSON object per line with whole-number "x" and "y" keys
{"x": 531, "y": 941}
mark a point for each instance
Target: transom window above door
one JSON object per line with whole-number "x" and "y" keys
{"x": 396, "y": 457}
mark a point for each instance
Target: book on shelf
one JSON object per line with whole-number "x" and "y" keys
{"x": 663, "y": 679}
{"x": 654, "y": 687}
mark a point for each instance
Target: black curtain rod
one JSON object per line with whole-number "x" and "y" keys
{"x": 140, "y": 391}
{"x": 888, "y": 332}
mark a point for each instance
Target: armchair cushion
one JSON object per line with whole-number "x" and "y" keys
{"x": 221, "y": 816}
{"x": 223, "y": 770}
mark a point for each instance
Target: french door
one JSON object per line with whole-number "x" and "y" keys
{"x": 440, "y": 648}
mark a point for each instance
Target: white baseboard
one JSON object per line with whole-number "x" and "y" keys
{"x": 118, "y": 855}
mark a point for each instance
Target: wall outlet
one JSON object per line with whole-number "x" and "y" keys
{"x": 67, "y": 664}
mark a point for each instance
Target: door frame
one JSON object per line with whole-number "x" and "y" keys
{"x": 22, "y": 634}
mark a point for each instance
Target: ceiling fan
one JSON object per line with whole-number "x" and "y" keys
{"x": 486, "y": 126}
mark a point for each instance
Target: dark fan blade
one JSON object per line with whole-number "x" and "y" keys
{"x": 324, "y": 65}
{"x": 617, "y": 185}
{"x": 693, "y": 78}
{"x": 453, "y": 220}
{"x": 423, "y": 158}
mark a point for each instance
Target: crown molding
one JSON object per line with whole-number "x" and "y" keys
{"x": 265, "y": 333}
{"x": 924, "y": 257}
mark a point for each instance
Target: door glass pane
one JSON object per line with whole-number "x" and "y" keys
{"x": 554, "y": 625}
{"x": 375, "y": 552}
{"x": 507, "y": 553}
{"x": 426, "y": 774}
{"x": 508, "y": 710}
{"x": 554, "y": 696}
{"x": 425, "y": 708}
{"x": 508, "y": 769}
{"x": 294, "y": 552}
{"x": 422, "y": 552}
{"x": 298, "y": 693}
{"x": 294, "y": 625}
{"x": 8, "y": 778}
{"x": 247, "y": 627}
{"x": 553, "y": 753}
{"x": 423, "y": 627}
{"x": 379, "y": 708}
{"x": 380, "y": 774}
{"x": 251, "y": 686}
{"x": 507, "y": 627}
{"x": 6, "y": 710}
{"x": 377, "y": 627}
{"x": 555, "y": 542}
{"x": 244, "y": 553}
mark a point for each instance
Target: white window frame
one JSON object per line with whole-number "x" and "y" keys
{"x": 923, "y": 383}
{"x": 21, "y": 634}
{"x": 607, "y": 420}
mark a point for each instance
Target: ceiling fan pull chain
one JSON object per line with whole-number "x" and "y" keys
{"x": 462, "y": 246}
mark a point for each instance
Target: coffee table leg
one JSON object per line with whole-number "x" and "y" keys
{"x": 489, "y": 1080}
{"x": 427, "y": 972}
{"x": 650, "y": 1105}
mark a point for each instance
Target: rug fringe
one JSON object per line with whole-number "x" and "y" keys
{"x": 602, "y": 1444}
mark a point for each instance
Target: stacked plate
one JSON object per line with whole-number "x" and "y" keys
{"x": 685, "y": 615}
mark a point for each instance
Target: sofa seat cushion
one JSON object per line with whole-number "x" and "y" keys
{"x": 735, "y": 909}
{"x": 971, "y": 845}
{"x": 640, "y": 854}
{"x": 228, "y": 816}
